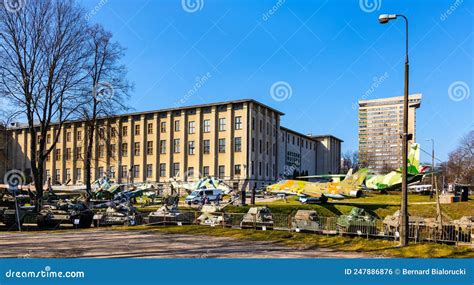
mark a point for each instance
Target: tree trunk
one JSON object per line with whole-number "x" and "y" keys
{"x": 88, "y": 159}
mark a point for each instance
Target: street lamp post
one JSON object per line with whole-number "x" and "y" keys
{"x": 383, "y": 19}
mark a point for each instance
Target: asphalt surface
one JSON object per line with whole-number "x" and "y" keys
{"x": 107, "y": 243}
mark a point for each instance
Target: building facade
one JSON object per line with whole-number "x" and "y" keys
{"x": 380, "y": 127}
{"x": 328, "y": 159}
{"x": 3, "y": 154}
{"x": 237, "y": 141}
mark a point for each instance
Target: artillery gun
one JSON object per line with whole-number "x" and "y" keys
{"x": 212, "y": 215}
{"x": 258, "y": 218}
{"x": 358, "y": 221}
{"x": 169, "y": 214}
{"x": 306, "y": 220}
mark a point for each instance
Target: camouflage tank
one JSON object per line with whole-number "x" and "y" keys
{"x": 358, "y": 221}
{"x": 73, "y": 212}
{"x": 259, "y": 218}
{"x": 8, "y": 211}
{"x": 463, "y": 229}
{"x": 211, "y": 216}
{"x": 306, "y": 220}
{"x": 169, "y": 214}
{"x": 418, "y": 226}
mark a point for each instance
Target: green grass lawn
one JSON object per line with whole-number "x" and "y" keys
{"x": 303, "y": 241}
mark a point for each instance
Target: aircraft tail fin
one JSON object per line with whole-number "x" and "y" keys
{"x": 414, "y": 159}
{"x": 355, "y": 180}
{"x": 349, "y": 174}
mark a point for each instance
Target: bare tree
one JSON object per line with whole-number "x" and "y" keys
{"x": 460, "y": 165}
{"x": 350, "y": 160}
{"x": 105, "y": 92}
{"x": 42, "y": 55}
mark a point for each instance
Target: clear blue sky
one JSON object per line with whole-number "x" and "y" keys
{"x": 329, "y": 52}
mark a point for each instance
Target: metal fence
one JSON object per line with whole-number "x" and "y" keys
{"x": 449, "y": 233}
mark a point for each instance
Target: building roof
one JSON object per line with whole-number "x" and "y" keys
{"x": 325, "y": 136}
{"x": 22, "y": 125}
{"x": 416, "y": 101}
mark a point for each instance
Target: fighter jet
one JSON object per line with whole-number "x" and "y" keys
{"x": 393, "y": 180}
{"x": 349, "y": 187}
{"x": 208, "y": 182}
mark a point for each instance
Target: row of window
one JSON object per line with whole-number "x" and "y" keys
{"x": 134, "y": 172}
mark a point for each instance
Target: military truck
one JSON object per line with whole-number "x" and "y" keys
{"x": 358, "y": 221}
{"x": 258, "y": 218}
{"x": 306, "y": 220}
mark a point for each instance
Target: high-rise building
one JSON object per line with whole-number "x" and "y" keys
{"x": 380, "y": 129}
{"x": 238, "y": 141}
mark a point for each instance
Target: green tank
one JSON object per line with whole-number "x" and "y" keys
{"x": 358, "y": 221}
{"x": 258, "y": 218}
{"x": 74, "y": 212}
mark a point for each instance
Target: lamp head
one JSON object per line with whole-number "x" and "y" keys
{"x": 384, "y": 18}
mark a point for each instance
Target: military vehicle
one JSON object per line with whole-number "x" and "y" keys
{"x": 464, "y": 229}
{"x": 306, "y": 220}
{"x": 358, "y": 221}
{"x": 169, "y": 214}
{"x": 258, "y": 218}
{"x": 10, "y": 205}
{"x": 68, "y": 211}
{"x": 119, "y": 210}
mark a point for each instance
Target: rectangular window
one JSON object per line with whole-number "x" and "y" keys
{"x": 58, "y": 154}
{"x": 237, "y": 144}
{"x": 149, "y": 170}
{"x": 176, "y": 146}
{"x": 238, "y": 123}
{"x": 176, "y": 126}
{"x": 137, "y": 130}
{"x": 78, "y": 152}
{"x": 113, "y": 132}
{"x": 136, "y": 149}
{"x": 101, "y": 172}
{"x": 162, "y": 169}
{"x": 162, "y": 147}
{"x": 150, "y": 128}
{"x": 57, "y": 176}
{"x": 149, "y": 148}
{"x": 112, "y": 172}
{"x": 191, "y": 147}
{"x": 192, "y": 127}
{"x": 221, "y": 145}
{"x": 205, "y": 171}
{"x": 48, "y": 138}
{"x": 190, "y": 173}
{"x": 68, "y": 174}
{"x": 48, "y": 174}
{"x": 175, "y": 169}
{"x": 163, "y": 127}
{"x": 136, "y": 171}
{"x": 221, "y": 171}
{"x": 206, "y": 146}
{"x": 123, "y": 171}
{"x": 207, "y": 126}
{"x": 260, "y": 146}
{"x": 68, "y": 136}
{"x": 221, "y": 124}
{"x": 79, "y": 135}
{"x": 68, "y": 153}
{"x": 78, "y": 174}
{"x": 237, "y": 169}
{"x": 124, "y": 149}
{"x": 124, "y": 131}
{"x": 112, "y": 150}
{"x": 101, "y": 151}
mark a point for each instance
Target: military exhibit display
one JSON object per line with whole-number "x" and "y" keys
{"x": 258, "y": 218}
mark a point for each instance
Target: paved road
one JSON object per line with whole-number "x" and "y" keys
{"x": 107, "y": 243}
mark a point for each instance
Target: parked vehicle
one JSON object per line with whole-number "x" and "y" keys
{"x": 197, "y": 196}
